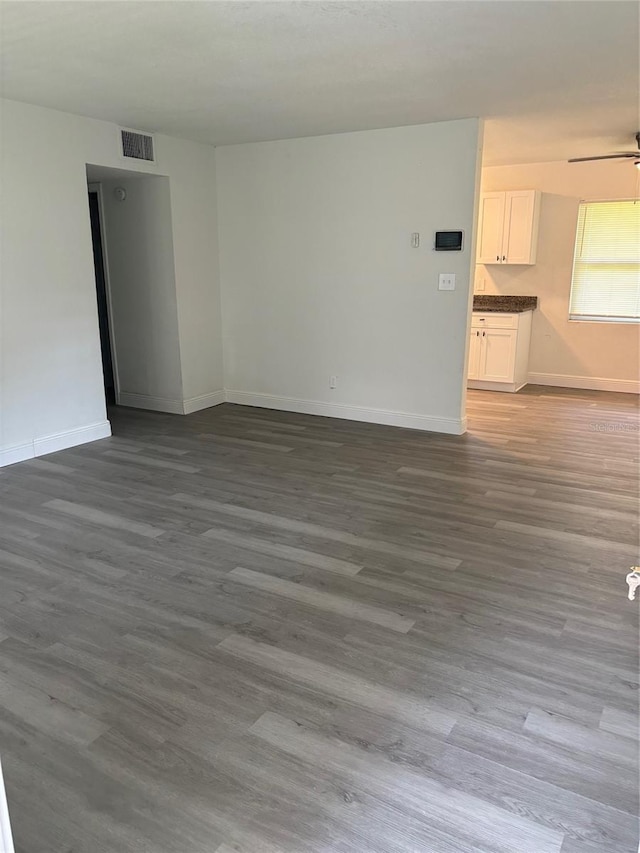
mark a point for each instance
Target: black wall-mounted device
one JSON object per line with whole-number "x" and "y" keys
{"x": 448, "y": 241}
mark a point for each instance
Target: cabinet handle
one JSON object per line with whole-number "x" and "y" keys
{"x": 477, "y": 334}
{"x": 483, "y": 334}
{"x": 504, "y": 257}
{"x": 497, "y": 257}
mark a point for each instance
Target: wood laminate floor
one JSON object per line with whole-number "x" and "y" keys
{"x": 253, "y": 631}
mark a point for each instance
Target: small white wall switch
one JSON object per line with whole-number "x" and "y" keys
{"x": 447, "y": 281}
{"x": 415, "y": 240}
{"x": 479, "y": 284}
{"x": 333, "y": 381}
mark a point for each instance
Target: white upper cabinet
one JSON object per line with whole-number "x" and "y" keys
{"x": 490, "y": 225}
{"x": 508, "y": 227}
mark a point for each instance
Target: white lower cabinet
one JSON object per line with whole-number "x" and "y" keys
{"x": 499, "y": 351}
{"x": 474, "y": 354}
{"x": 497, "y": 354}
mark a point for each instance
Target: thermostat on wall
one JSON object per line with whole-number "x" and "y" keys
{"x": 448, "y": 241}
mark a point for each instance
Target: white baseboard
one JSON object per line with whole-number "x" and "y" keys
{"x": 17, "y": 453}
{"x": 171, "y": 407}
{"x": 506, "y": 387}
{"x": 408, "y": 420}
{"x": 204, "y": 401}
{"x": 589, "y": 383}
{"x": 93, "y": 432}
{"x": 153, "y": 404}
{"x": 71, "y": 438}
{"x": 57, "y": 441}
{"x": 6, "y": 842}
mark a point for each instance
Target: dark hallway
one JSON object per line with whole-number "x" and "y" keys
{"x": 101, "y": 294}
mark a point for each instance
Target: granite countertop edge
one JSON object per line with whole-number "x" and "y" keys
{"x": 504, "y": 303}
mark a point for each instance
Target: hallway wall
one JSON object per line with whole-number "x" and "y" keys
{"x": 51, "y": 393}
{"x": 142, "y": 284}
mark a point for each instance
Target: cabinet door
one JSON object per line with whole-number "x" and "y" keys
{"x": 520, "y": 227}
{"x": 474, "y": 354}
{"x": 497, "y": 354}
{"x": 490, "y": 227}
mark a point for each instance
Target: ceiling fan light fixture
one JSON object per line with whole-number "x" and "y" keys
{"x": 621, "y": 155}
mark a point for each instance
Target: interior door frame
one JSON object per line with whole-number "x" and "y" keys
{"x": 96, "y": 187}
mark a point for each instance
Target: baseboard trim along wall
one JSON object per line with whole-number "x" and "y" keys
{"x": 52, "y": 443}
{"x": 350, "y": 413}
{"x": 171, "y": 407}
{"x": 153, "y": 404}
{"x": 204, "y": 401}
{"x": 451, "y": 426}
{"x": 588, "y": 383}
{"x": 93, "y": 432}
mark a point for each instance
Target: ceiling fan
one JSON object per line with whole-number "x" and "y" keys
{"x": 626, "y": 155}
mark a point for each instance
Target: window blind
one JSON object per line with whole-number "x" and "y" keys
{"x": 606, "y": 266}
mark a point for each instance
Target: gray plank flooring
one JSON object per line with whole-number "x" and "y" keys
{"x": 248, "y": 631}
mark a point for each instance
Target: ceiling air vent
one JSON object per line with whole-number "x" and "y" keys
{"x": 136, "y": 146}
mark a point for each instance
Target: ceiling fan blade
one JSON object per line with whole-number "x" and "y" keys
{"x": 602, "y": 157}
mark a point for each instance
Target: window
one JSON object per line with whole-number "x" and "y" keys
{"x": 606, "y": 265}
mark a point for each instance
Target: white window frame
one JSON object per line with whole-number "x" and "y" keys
{"x": 585, "y": 318}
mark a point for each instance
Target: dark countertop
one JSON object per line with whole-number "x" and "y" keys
{"x": 507, "y": 304}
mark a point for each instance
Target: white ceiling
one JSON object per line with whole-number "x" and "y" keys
{"x": 554, "y": 79}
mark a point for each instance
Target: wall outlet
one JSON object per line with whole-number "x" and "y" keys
{"x": 447, "y": 281}
{"x": 480, "y": 285}
{"x": 333, "y": 381}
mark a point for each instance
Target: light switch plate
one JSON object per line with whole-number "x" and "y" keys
{"x": 447, "y": 281}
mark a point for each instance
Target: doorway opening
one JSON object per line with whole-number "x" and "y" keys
{"x": 101, "y": 296}
{"x": 132, "y": 237}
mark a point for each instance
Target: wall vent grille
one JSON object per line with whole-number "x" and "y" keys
{"x": 137, "y": 146}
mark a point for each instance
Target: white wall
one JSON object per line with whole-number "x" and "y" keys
{"x": 581, "y": 354}
{"x": 195, "y": 248}
{"x": 318, "y": 276}
{"x": 142, "y": 285}
{"x": 51, "y": 392}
